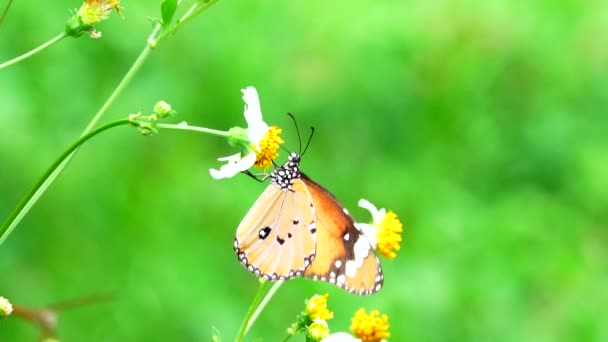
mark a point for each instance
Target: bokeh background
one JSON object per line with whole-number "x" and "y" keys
{"x": 483, "y": 125}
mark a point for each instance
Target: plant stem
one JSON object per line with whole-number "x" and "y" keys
{"x": 153, "y": 39}
{"x": 191, "y": 13}
{"x": 34, "y": 51}
{"x": 263, "y": 303}
{"x": 23, "y": 206}
{"x": 194, "y": 128}
{"x": 252, "y": 307}
{"x": 125, "y": 80}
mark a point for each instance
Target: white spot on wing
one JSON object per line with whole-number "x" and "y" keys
{"x": 361, "y": 251}
{"x": 351, "y": 268}
{"x": 341, "y": 280}
{"x": 338, "y": 263}
{"x": 346, "y": 236}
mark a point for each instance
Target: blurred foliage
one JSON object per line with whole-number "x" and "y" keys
{"x": 481, "y": 124}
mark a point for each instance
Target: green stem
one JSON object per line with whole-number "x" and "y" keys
{"x": 191, "y": 13}
{"x": 263, "y": 303}
{"x": 34, "y": 51}
{"x": 23, "y": 206}
{"x": 287, "y": 337}
{"x": 126, "y": 79}
{"x": 194, "y": 128}
{"x": 48, "y": 179}
{"x": 252, "y": 307}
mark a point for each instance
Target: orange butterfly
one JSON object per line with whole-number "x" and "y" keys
{"x": 297, "y": 228}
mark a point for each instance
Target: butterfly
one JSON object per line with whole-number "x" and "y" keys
{"x": 296, "y": 228}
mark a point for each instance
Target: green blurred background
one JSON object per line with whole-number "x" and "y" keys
{"x": 483, "y": 125}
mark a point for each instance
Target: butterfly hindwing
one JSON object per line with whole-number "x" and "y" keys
{"x": 277, "y": 237}
{"x": 344, "y": 256}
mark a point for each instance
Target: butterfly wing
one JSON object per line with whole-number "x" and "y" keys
{"x": 277, "y": 237}
{"x": 344, "y": 256}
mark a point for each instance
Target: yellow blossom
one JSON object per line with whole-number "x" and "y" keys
{"x": 316, "y": 307}
{"x": 93, "y": 11}
{"x": 384, "y": 233}
{"x": 389, "y": 235}
{"x": 370, "y": 328}
{"x": 269, "y": 145}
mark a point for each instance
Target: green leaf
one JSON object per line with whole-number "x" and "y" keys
{"x": 168, "y": 10}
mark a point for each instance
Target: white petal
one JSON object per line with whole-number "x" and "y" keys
{"x": 235, "y": 164}
{"x": 340, "y": 337}
{"x": 256, "y": 127}
{"x": 256, "y": 133}
{"x": 365, "y": 204}
{"x": 377, "y": 215}
{"x": 253, "y": 112}
{"x": 370, "y": 232}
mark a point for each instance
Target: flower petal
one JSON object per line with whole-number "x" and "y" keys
{"x": 340, "y": 337}
{"x": 256, "y": 127}
{"x": 377, "y": 215}
{"x": 235, "y": 164}
{"x": 370, "y": 231}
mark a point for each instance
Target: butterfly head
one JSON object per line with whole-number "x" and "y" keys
{"x": 285, "y": 175}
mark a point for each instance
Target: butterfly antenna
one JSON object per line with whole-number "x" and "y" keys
{"x": 312, "y": 132}
{"x": 295, "y": 123}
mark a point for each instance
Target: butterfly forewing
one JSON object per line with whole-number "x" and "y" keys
{"x": 344, "y": 256}
{"x": 277, "y": 237}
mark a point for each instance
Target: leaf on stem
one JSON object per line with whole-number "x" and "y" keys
{"x": 168, "y": 10}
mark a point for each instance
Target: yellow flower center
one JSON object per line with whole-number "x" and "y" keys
{"x": 370, "y": 328}
{"x": 269, "y": 145}
{"x": 389, "y": 235}
{"x": 316, "y": 307}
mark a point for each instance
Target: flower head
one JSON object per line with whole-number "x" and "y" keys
{"x": 384, "y": 233}
{"x": 91, "y": 13}
{"x": 258, "y": 142}
{"x": 6, "y": 308}
{"x": 316, "y": 307}
{"x": 317, "y": 331}
{"x": 371, "y": 327}
{"x": 269, "y": 145}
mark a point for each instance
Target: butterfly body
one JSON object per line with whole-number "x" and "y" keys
{"x": 297, "y": 228}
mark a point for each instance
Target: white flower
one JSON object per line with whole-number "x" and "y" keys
{"x": 236, "y": 163}
{"x": 6, "y": 308}
{"x": 371, "y": 230}
{"x": 340, "y": 337}
{"x": 384, "y": 234}
{"x": 256, "y": 129}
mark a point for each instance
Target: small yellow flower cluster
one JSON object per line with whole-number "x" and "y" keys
{"x": 316, "y": 307}
{"x": 389, "y": 235}
{"x": 370, "y": 328}
{"x": 94, "y": 11}
{"x": 269, "y": 145}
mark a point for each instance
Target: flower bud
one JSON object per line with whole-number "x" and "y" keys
{"x": 5, "y": 307}
{"x": 317, "y": 331}
{"x": 162, "y": 109}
